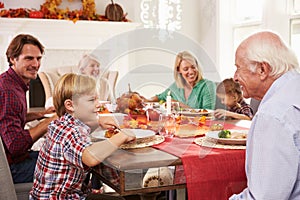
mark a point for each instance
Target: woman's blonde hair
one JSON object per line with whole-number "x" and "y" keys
{"x": 71, "y": 86}
{"x": 185, "y": 55}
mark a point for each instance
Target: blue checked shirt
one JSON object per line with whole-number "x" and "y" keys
{"x": 273, "y": 146}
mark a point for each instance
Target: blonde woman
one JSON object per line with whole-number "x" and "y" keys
{"x": 190, "y": 88}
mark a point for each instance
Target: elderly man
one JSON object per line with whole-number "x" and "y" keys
{"x": 268, "y": 70}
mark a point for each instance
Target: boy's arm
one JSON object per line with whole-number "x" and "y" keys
{"x": 97, "y": 152}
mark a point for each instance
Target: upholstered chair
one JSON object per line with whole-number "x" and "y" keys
{"x": 9, "y": 190}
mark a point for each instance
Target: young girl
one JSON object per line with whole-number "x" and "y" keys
{"x": 230, "y": 94}
{"x": 68, "y": 153}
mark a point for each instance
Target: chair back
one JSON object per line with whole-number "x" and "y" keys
{"x": 49, "y": 79}
{"x": 254, "y": 104}
{"x": 7, "y": 189}
{"x": 112, "y": 80}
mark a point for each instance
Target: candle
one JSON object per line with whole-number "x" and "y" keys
{"x": 169, "y": 103}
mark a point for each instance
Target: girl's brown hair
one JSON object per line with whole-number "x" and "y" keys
{"x": 230, "y": 87}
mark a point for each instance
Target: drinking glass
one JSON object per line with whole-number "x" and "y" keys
{"x": 175, "y": 108}
{"x": 167, "y": 125}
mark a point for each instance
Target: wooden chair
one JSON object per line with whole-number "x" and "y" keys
{"x": 49, "y": 79}
{"x": 9, "y": 190}
{"x": 112, "y": 80}
{"x": 254, "y": 104}
{"x": 20, "y": 191}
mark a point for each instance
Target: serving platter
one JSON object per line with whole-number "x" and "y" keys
{"x": 196, "y": 112}
{"x": 240, "y": 140}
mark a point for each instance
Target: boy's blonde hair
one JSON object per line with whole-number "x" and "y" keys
{"x": 71, "y": 86}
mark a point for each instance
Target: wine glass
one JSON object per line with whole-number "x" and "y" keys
{"x": 167, "y": 125}
{"x": 175, "y": 108}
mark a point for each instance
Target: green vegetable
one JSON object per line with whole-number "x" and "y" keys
{"x": 161, "y": 102}
{"x": 224, "y": 134}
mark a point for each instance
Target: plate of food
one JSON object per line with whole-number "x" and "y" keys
{"x": 144, "y": 142}
{"x": 191, "y": 130}
{"x": 139, "y": 133}
{"x": 231, "y": 137}
{"x": 196, "y": 112}
{"x": 144, "y": 138}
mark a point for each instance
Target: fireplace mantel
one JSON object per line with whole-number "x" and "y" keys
{"x": 64, "y": 40}
{"x": 65, "y": 34}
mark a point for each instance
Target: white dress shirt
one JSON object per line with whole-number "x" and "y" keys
{"x": 273, "y": 145}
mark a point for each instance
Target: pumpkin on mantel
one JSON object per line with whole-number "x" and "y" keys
{"x": 114, "y": 12}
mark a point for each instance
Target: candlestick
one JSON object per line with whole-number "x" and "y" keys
{"x": 169, "y": 103}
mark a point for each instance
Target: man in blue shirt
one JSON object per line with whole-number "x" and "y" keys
{"x": 268, "y": 70}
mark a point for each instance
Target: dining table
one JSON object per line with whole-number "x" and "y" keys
{"x": 206, "y": 169}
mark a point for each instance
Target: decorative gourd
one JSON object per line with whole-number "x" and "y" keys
{"x": 114, "y": 12}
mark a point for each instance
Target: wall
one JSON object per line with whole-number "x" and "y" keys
{"x": 66, "y": 42}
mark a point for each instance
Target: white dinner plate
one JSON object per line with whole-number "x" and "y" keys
{"x": 49, "y": 115}
{"x": 196, "y": 112}
{"x": 214, "y": 135}
{"x": 139, "y": 133}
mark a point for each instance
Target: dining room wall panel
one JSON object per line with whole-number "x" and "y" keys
{"x": 66, "y": 41}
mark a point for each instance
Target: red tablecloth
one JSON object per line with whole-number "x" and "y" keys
{"x": 210, "y": 173}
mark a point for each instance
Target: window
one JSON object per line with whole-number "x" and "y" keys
{"x": 247, "y": 18}
{"x": 296, "y": 6}
{"x": 295, "y": 36}
{"x": 237, "y": 18}
{"x": 162, "y": 14}
{"x": 295, "y": 27}
{"x": 248, "y": 10}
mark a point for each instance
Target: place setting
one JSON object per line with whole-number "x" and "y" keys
{"x": 152, "y": 124}
{"x": 130, "y": 115}
{"x": 144, "y": 138}
{"x": 225, "y": 139}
